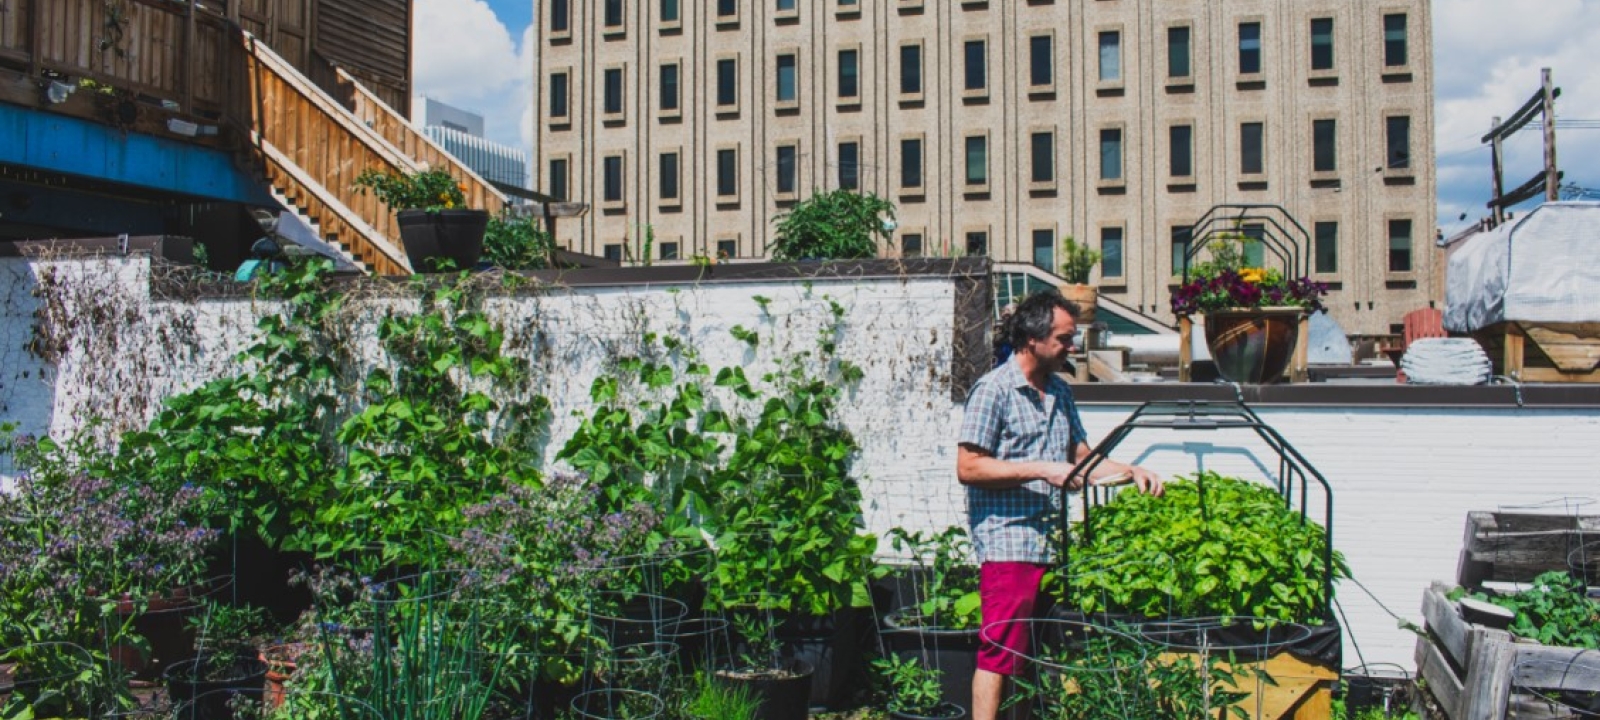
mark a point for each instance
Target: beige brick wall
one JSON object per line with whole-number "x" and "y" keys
{"x": 1359, "y": 94}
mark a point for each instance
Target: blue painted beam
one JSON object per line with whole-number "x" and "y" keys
{"x": 46, "y": 141}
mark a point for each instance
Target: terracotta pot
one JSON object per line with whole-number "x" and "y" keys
{"x": 282, "y": 661}
{"x": 1087, "y": 297}
{"x": 1253, "y": 345}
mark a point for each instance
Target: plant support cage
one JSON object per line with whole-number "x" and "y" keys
{"x": 1295, "y": 482}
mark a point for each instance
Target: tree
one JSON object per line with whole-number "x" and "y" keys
{"x": 835, "y": 225}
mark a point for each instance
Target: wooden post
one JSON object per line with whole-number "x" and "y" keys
{"x": 1487, "y": 686}
{"x": 1185, "y": 348}
{"x": 1515, "y": 346}
{"x": 36, "y": 32}
{"x": 1552, "y": 181}
{"x": 1495, "y": 160}
{"x": 187, "y": 64}
{"x": 1300, "y": 370}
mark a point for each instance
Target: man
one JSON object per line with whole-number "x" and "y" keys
{"x": 1022, "y": 439}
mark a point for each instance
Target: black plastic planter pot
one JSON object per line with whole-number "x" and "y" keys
{"x": 953, "y": 652}
{"x": 456, "y": 235}
{"x": 202, "y": 686}
{"x": 784, "y": 696}
{"x": 947, "y": 711}
{"x": 835, "y": 646}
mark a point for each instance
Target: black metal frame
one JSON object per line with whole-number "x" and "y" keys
{"x": 1285, "y": 244}
{"x": 1294, "y": 472}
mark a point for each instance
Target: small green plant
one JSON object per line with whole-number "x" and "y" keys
{"x": 745, "y": 335}
{"x": 913, "y": 687}
{"x": 709, "y": 700}
{"x": 518, "y": 244}
{"x": 946, "y": 593}
{"x": 1553, "y": 611}
{"x": 760, "y": 650}
{"x": 1077, "y": 260}
{"x": 834, "y": 225}
{"x": 430, "y": 190}
{"x": 222, "y": 624}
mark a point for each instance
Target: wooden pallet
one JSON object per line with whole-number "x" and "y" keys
{"x": 1543, "y": 352}
{"x": 1517, "y": 547}
{"x": 1482, "y": 673}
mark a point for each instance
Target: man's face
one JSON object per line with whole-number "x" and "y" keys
{"x": 1053, "y": 351}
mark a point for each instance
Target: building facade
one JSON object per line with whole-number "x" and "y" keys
{"x": 1000, "y": 128}
{"x": 460, "y": 133}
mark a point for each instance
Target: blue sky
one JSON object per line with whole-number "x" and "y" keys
{"x": 1487, "y": 55}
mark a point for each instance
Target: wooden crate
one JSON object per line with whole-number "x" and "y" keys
{"x": 1473, "y": 671}
{"x": 1543, "y": 352}
{"x": 1517, "y": 547}
{"x": 1297, "y": 690}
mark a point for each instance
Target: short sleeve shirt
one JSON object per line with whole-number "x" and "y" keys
{"x": 1009, "y": 419}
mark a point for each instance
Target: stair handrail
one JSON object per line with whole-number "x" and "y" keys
{"x": 330, "y": 199}
{"x": 1127, "y": 313}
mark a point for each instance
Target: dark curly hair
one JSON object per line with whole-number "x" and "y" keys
{"x": 1035, "y": 315}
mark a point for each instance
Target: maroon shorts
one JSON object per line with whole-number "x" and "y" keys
{"x": 1010, "y": 592}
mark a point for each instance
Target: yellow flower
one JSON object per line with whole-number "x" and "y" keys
{"x": 1253, "y": 276}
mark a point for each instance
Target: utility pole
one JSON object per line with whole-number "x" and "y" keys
{"x": 1543, "y": 103}
{"x": 1552, "y": 180}
{"x": 1498, "y": 213}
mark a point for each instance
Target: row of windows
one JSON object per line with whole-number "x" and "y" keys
{"x": 1180, "y": 52}
{"x": 1113, "y": 267}
{"x": 668, "y": 250}
{"x": 975, "y": 74}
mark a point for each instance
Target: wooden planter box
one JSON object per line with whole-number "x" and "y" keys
{"x": 1476, "y": 672}
{"x": 1517, "y": 547}
{"x": 1299, "y": 690}
{"x": 1543, "y": 352}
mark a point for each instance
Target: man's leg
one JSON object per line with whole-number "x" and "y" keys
{"x": 1010, "y": 593}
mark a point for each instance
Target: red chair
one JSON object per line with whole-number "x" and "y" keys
{"x": 1420, "y": 323}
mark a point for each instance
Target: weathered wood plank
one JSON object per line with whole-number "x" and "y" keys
{"x": 1440, "y": 678}
{"x": 1487, "y": 684}
{"x": 1556, "y": 668}
{"x": 1444, "y": 623}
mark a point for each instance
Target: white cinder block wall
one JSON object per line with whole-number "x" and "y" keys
{"x": 1402, "y": 479}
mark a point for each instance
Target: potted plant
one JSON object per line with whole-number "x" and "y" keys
{"x": 435, "y": 223}
{"x": 937, "y": 626}
{"x": 206, "y": 686}
{"x": 1077, "y": 262}
{"x": 1252, "y": 314}
{"x": 835, "y": 225}
{"x": 915, "y": 690}
{"x": 780, "y": 681}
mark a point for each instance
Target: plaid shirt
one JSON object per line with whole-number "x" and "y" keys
{"x": 1006, "y": 417}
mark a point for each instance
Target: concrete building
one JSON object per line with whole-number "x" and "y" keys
{"x": 1002, "y": 127}
{"x": 460, "y": 132}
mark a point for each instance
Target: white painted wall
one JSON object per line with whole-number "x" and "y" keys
{"x": 1403, "y": 479}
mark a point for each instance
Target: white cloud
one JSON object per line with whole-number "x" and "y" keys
{"x": 1487, "y": 57}
{"x": 467, "y": 58}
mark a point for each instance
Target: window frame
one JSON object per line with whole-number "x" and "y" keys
{"x": 838, "y": 152}
{"x": 778, "y": 193}
{"x": 608, "y": 29}
{"x": 1185, "y": 80}
{"x": 1261, "y": 150}
{"x": 921, "y": 188}
{"x": 676, "y": 112}
{"x": 722, "y": 243}
{"x": 1103, "y": 83}
{"x": 1316, "y": 249}
{"x": 564, "y": 120}
{"x": 1410, "y": 272}
{"x": 1404, "y": 66}
{"x": 1120, "y": 180}
{"x": 566, "y": 176}
{"x": 563, "y": 34}
{"x": 721, "y": 198}
{"x": 1047, "y": 184}
{"x": 1329, "y": 173}
{"x": 1121, "y": 277}
{"x": 728, "y": 20}
{"x": 665, "y": 25}
{"x": 620, "y": 202}
{"x": 1172, "y": 154}
{"x": 1048, "y": 88}
{"x": 662, "y": 200}
{"x": 1332, "y": 70}
{"x": 778, "y": 102}
{"x": 1390, "y": 169}
{"x": 782, "y": 16}
{"x": 842, "y": 99}
{"x": 1259, "y": 72}
{"x": 969, "y": 187}
{"x": 847, "y": 8}
{"x": 620, "y": 114}
{"x": 971, "y": 94}
{"x": 909, "y": 232}
{"x": 731, "y": 108}
{"x": 900, "y": 75}
{"x": 966, "y": 240}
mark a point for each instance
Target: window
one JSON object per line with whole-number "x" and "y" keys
{"x": 911, "y": 69}
{"x": 727, "y": 9}
{"x": 977, "y": 243}
{"x": 911, "y": 163}
{"x": 1399, "y": 246}
{"x": 1181, "y": 237}
{"x": 1178, "y": 58}
{"x": 557, "y": 179}
{"x": 1181, "y": 163}
{"x": 1111, "y": 154}
{"x": 612, "y": 16}
{"x": 1044, "y": 250}
{"x": 1325, "y": 247}
{"x": 788, "y": 180}
{"x": 613, "y": 252}
{"x": 1322, "y": 44}
{"x": 1324, "y": 147}
{"x": 728, "y": 83}
{"x": 850, "y": 74}
{"x": 1110, "y": 253}
{"x": 978, "y": 160}
{"x": 1251, "y": 149}
{"x": 611, "y": 179}
{"x": 669, "y": 251}
{"x": 612, "y": 104}
{"x": 560, "y": 17}
{"x": 911, "y": 245}
{"x": 727, "y": 172}
{"x": 1252, "y": 249}
{"x": 1041, "y": 61}
{"x": 670, "y": 12}
{"x": 1249, "y": 48}
{"x": 669, "y": 176}
{"x": 1044, "y": 157}
{"x": 977, "y": 73}
{"x": 558, "y": 96}
{"x": 669, "y": 88}
{"x": 786, "y": 6}
{"x": 1394, "y": 40}
{"x": 787, "y": 87}
{"x": 849, "y": 165}
{"x": 727, "y": 248}
{"x": 1110, "y": 56}
{"x": 1397, "y": 131}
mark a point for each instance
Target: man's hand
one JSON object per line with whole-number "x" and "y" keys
{"x": 1060, "y": 475}
{"x": 1148, "y": 482}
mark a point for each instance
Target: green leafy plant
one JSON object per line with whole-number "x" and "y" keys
{"x": 946, "y": 582}
{"x": 913, "y": 687}
{"x": 760, "y": 651}
{"x": 222, "y": 624}
{"x": 518, "y": 244}
{"x": 708, "y": 700}
{"x": 430, "y": 190}
{"x": 1553, "y": 610}
{"x": 1077, "y": 260}
{"x": 1100, "y": 673}
{"x": 834, "y": 225}
{"x": 1233, "y": 550}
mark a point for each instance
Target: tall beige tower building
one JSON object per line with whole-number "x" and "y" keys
{"x": 1001, "y": 127}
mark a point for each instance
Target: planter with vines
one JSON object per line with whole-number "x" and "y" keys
{"x": 439, "y": 231}
{"x": 936, "y": 627}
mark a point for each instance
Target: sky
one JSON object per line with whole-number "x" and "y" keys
{"x": 475, "y": 54}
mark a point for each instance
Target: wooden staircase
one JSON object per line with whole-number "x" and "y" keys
{"x": 311, "y": 147}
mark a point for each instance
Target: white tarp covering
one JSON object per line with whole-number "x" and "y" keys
{"x": 1538, "y": 268}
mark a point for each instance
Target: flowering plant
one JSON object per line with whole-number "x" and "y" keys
{"x": 1224, "y": 282}
{"x": 430, "y": 190}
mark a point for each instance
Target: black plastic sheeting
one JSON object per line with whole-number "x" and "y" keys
{"x": 1321, "y": 645}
